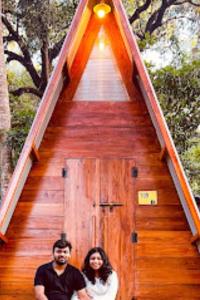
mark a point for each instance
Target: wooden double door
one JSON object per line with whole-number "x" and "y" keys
{"x": 99, "y": 211}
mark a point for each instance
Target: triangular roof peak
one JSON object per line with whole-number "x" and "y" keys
{"x": 63, "y": 72}
{"x": 101, "y": 74}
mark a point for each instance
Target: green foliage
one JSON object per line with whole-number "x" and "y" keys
{"x": 166, "y": 25}
{"x": 191, "y": 160}
{"x": 38, "y": 29}
{"x": 178, "y": 91}
{"x": 148, "y": 41}
{"x": 41, "y": 20}
{"x": 23, "y": 111}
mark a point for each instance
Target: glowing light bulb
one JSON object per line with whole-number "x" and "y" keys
{"x": 101, "y": 13}
{"x": 101, "y": 10}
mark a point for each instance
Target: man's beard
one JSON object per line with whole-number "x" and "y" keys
{"x": 61, "y": 262}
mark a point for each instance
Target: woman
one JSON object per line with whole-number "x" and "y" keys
{"x": 101, "y": 279}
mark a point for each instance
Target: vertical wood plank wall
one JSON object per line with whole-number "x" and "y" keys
{"x": 167, "y": 265}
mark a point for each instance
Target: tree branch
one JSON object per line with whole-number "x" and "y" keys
{"x": 138, "y": 11}
{"x": 139, "y": 35}
{"x": 15, "y": 56}
{"x": 10, "y": 29}
{"x": 53, "y": 52}
{"x": 45, "y": 71}
{"x": 12, "y": 13}
{"x": 155, "y": 20}
{"x": 27, "y": 90}
{"x": 8, "y": 38}
{"x": 26, "y": 58}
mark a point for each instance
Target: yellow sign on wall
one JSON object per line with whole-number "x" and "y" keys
{"x": 147, "y": 198}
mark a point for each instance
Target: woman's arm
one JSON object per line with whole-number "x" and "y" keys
{"x": 113, "y": 286}
{"x": 82, "y": 295}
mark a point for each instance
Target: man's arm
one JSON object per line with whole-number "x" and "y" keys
{"x": 82, "y": 295}
{"x": 39, "y": 293}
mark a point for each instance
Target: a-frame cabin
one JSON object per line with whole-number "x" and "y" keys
{"x": 98, "y": 139}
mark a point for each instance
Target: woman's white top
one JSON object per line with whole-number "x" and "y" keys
{"x": 101, "y": 290}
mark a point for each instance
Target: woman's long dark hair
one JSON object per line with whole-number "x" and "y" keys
{"x": 104, "y": 271}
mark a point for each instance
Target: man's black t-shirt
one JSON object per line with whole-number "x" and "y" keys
{"x": 59, "y": 287}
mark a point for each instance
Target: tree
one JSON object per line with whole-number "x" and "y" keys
{"x": 38, "y": 27}
{"x": 148, "y": 16}
{"x": 24, "y": 19}
{"x": 178, "y": 91}
{"x": 23, "y": 110}
{"x": 191, "y": 160}
{"x": 5, "y": 168}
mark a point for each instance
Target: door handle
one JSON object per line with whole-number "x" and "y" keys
{"x": 111, "y": 204}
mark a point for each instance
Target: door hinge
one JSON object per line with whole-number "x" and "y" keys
{"x": 64, "y": 172}
{"x": 134, "y": 237}
{"x": 134, "y": 172}
{"x": 63, "y": 236}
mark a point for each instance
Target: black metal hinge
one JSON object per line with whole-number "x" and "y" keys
{"x": 134, "y": 172}
{"x": 134, "y": 237}
{"x": 64, "y": 172}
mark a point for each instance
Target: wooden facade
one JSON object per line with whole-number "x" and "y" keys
{"x": 98, "y": 139}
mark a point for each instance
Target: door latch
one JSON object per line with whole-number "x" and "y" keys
{"x": 134, "y": 237}
{"x": 134, "y": 172}
{"x": 111, "y": 205}
{"x": 64, "y": 172}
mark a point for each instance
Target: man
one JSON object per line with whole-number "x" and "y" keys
{"x": 58, "y": 280}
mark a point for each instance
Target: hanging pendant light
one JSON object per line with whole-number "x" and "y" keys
{"x": 101, "y": 9}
